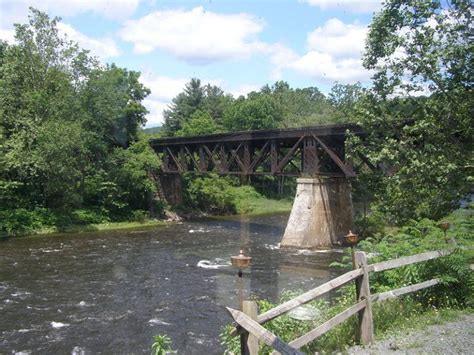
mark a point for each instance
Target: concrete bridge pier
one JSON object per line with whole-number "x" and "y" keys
{"x": 321, "y": 215}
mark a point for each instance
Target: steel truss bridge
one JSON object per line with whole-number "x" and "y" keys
{"x": 308, "y": 151}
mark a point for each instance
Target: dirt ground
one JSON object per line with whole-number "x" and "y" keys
{"x": 455, "y": 337}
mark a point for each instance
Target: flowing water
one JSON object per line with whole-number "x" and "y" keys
{"x": 110, "y": 292}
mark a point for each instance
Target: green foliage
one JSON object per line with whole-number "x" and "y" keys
{"x": 20, "y": 221}
{"x": 125, "y": 183}
{"x": 199, "y": 123}
{"x": 161, "y": 345}
{"x": 183, "y": 106}
{"x": 218, "y": 195}
{"x": 389, "y": 316}
{"x": 113, "y": 98}
{"x": 210, "y": 101}
{"x": 69, "y": 133}
{"x": 152, "y": 131}
{"x": 258, "y": 111}
{"x": 83, "y": 216}
{"x": 206, "y": 109}
{"x": 457, "y": 288}
{"x": 419, "y": 113}
{"x": 345, "y": 97}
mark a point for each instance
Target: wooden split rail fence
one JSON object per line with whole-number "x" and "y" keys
{"x": 249, "y": 324}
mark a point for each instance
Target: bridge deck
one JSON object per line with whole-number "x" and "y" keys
{"x": 267, "y": 134}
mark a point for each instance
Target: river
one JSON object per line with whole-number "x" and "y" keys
{"x": 110, "y": 292}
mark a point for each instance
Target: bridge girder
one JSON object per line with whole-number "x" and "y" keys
{"x": 310, "y": 151}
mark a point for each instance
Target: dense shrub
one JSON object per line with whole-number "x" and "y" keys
{"x": 219, "y": 195}
{"x": 84, "y": 216}
{"x": 22, "y": 221}
{"x": 457, "y": 287}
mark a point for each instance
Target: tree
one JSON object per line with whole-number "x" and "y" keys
{"x": 65, "y": 124}
{"x": 209, "y": 99}
{"x": 258, "y": 111}
{"x": 419, "y": 112}
{"x": 38, "y": 112}
{"x": 344, "y": 97}
{"x": 301, "y": 107}
{"x": 183, "y": 106}
{"x": 216, "y": 102}
{"x": 112, "y": 100}
{"x": 200, "y": 123}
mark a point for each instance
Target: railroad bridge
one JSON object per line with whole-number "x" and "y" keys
{"x": 322, "y": 210}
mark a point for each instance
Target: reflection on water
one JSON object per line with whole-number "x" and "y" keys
{"x": 111, "y": 292}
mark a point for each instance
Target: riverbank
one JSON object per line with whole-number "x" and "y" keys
{"x": 101, "y": 227}
{"x": 251, "y": 207}
{"x": 90, "y": 228}
{"x": 263, "y": 206}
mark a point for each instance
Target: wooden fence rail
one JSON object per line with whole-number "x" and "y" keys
{"x": 249, "y": 328}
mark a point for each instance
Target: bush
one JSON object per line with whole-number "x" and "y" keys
{"x": 218, "y": 195}
{"x": 457, "y": 287}
{"x": 84, "y": 216}
{"x": 139, "y": 216}
{"x": 21, "y": 221}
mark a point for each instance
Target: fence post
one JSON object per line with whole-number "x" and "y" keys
{"x": 366, "y": 322}
{"x": 248, "y": 342}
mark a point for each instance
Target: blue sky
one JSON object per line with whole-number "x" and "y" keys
{"x": 239, "y": 45}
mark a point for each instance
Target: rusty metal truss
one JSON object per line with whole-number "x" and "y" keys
{"x": 309, "y": 151}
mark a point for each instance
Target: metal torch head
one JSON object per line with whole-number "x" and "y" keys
{"x": 351, "y": 238}
{"x": 240, "y": 261}
{"x": 444, "y": 226}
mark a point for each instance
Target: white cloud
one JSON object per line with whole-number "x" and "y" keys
{"x": 324, "y": 67}
{"x": 162, "y": 87}
{"x": 7, "y": 35}
{"x": 358, "y": 6}
{"x": 196, "y": 36}
{"x": 412, "y": 88}
{"x": 163, "y": 90}
{"x": 338, "y": 39}
{"x": 334, "y": 54}
{"x": 101, "y": 47}
{"x": 155, "y": 115}
{"x": 280, "y": 56}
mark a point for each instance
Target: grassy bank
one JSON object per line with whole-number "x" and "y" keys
{"x": 40, "y": 221}
{"x": 17, "y": 223}
{"x": 100, "y": 227}
{"x": 263, "y": 205}
{"x": 215, "y": 195}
